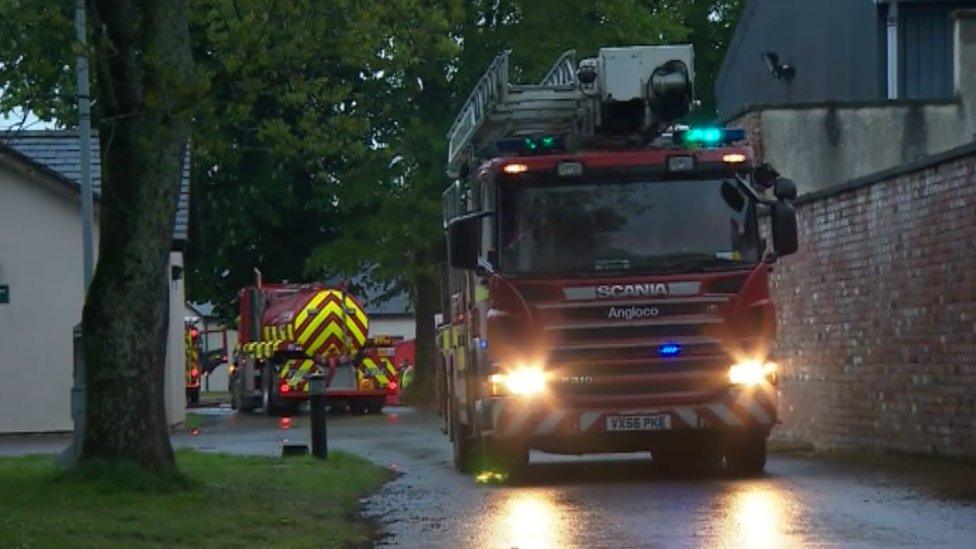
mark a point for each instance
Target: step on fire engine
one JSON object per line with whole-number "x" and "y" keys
{"x": 608, "y": 281}
{"x": 291, "y": 331}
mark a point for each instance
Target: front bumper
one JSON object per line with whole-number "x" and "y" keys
{"x": 537, "y": 419}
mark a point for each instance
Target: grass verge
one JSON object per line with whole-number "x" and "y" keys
{"x": 218, "y": 500}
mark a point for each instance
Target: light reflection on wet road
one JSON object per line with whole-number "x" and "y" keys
{"x": 615, "y": 501}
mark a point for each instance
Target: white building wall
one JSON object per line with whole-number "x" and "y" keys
{"x": 400, "y": 325}
{"x": 41, "y": 261}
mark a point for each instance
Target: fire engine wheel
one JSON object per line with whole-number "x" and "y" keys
{"x": 463, "y": 448}
{"x": 375, "y": 406}
{"x": 268, "y": 404}
{"x": 746, "y": 453}
{"x": 358, "y": 408}
{"x": 193, "y": 395}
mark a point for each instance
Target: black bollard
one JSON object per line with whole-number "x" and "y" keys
{"x": 316, "y": 388}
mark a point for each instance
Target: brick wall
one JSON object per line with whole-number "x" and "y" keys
{"x": 877, "y": 313}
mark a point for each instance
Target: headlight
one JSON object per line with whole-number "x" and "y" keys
{"x": 751, "y": 372}
{"x": 522, "y": 381}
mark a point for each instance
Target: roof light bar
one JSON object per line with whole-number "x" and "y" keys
{"x": 709, "y": 137}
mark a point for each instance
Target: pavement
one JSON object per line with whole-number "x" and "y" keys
{"x": 617, "y": 501}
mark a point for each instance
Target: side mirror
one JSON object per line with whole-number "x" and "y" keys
{"x": 765, "y": 176}
{"x": 783, "y": 219}
{"x": 462, "y": 242}
{"x": 784, "y": 189}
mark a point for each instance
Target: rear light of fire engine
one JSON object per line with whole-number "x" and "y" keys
{"x": 284, "y": 388}
{"x": 194, "y": 372}
{"x": 392, "y": 386}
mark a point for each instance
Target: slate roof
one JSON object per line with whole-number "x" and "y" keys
{"x": 60, "y": 151}
{"x": 370, "y": 295}
{"x": 398, "y": 304}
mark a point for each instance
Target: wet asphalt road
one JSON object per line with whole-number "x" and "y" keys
{"x": 616, "y": 501}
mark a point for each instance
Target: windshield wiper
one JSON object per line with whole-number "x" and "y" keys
{"x": 697, "y": 261}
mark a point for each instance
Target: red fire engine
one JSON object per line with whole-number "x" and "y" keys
{"x": 291, "y": 331}
{"x": 608, "y": 282}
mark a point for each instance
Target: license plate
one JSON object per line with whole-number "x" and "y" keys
{"x": 657, "y": 422}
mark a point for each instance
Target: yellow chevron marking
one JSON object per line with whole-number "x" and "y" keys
{"x": 331, "y": 312}
{"x": 358, "y": 312}
{"x": 357, "y": 336}
{"x": 300, "y": 372}
{"x": 390, "y": 367}
{"x": 373, "y": 370}
{"x": 313, "y": 303}
{"x": 285, "y": 368}
{"x": 334, "y": 329}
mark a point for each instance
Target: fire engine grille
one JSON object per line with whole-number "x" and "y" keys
{"x": 610, "y": 353}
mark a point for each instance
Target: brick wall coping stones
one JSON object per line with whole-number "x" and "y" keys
{"x": 891, "y": 173}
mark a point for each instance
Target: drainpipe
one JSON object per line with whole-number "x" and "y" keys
{"x": 893, "y": 49}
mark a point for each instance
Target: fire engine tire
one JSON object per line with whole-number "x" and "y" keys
{"x": 268, "y": 401}
{"x": 357, "y": 408}
{"x": 746, "y": 453}
{"x": 375, "y": 406}
{"x": 463, "y": 447}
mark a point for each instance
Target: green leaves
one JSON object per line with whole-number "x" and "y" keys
{"x": 37, "y": 58}
{"x": 319, "y": 144}
{"x": 293, "y": 148}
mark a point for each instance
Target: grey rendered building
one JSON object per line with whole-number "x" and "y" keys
{"x": 833, "y": 90}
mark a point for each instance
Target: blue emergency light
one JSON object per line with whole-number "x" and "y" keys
{"x": 709, "y": 137}
{"x": 669, "y": 350}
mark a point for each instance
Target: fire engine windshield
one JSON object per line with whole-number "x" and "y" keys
{"x": 592, "y": 227}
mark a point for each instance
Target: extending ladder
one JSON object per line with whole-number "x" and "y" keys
{"x": 496, "y": 109}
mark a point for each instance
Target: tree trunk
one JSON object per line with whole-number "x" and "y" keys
{"x": 143, "y": 88}
{"x": 428, "y": 300}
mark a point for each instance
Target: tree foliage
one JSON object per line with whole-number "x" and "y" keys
{"x": 293, "y": 146}
{"x": 37, "y": 58}
{"x": 320, "y": 147}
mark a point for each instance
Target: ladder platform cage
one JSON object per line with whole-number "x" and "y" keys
{"x": 497, "y": 108}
